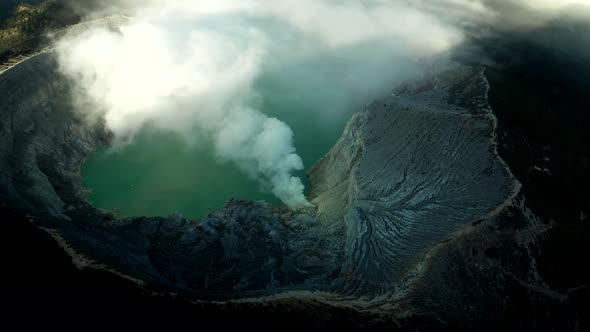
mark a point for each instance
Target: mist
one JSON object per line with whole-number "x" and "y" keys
{"x": 193, "y": 67}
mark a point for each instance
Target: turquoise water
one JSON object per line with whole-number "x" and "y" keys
{"x": 158, "y": 174}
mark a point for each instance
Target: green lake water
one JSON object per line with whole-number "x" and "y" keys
{"x": 158, "y": 174}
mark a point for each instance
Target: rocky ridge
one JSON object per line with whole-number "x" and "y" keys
{"x": 414, "y": 208}
{"x": 380, "y": 207}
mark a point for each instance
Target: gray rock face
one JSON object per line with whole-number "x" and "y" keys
{"x": 239, "y": 251}
{"x": 407, "y": 173}
{"x": 43, "y": 141}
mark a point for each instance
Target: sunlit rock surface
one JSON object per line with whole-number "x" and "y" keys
{"x": 407, "y": 172}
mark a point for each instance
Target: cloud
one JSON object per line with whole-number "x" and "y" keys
{"x": 191, "y": 66}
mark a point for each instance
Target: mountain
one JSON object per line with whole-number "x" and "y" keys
{"x": 459, "y": 201}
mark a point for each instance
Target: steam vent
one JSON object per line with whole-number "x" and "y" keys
{"x": 448, "y": 202}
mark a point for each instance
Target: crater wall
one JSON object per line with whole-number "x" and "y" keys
{"x": 410, "y": 171}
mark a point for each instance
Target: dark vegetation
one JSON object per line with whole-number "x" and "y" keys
{"x": 23, "y": 31}
{"x": 8, "y": 7}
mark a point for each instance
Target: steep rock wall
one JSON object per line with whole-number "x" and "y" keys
{"x": 408, "y": 172}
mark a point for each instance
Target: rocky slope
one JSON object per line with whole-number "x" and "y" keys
{"x": 381, "y": 206}
{"x": 416, "y": 213}
{"x": 408, "y": 172}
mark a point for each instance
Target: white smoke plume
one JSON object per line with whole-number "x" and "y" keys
{"x": 190, "y": 66}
